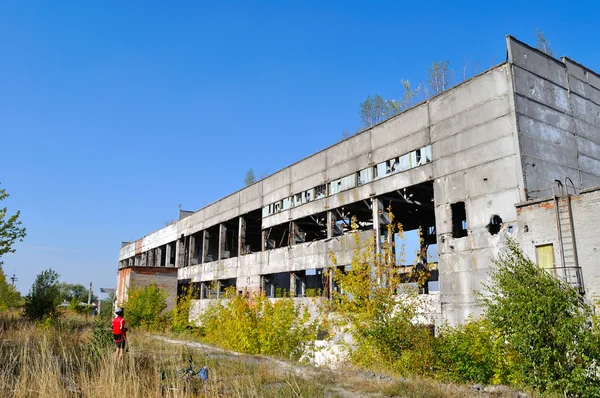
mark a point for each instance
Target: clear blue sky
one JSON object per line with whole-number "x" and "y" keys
{"x": 112, "y": 113}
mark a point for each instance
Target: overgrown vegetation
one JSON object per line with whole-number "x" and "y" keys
{"x": 145, "y": 307}
{"x": 43, "y": 297}
{"x": 258, "y": 325}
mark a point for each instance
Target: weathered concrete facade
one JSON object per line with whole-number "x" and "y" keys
{"x": 545, "y": 223}
{"x": 455, "y": 165}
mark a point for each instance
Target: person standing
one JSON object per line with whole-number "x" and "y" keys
{"x": 119, "y": 333}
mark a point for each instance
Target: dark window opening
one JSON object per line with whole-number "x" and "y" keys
{"x": 310, "y": 229}
{"x": 360, "y": 211}
{"x": 459, "y": 220}
{"x": 495, "y": 224}
{"x": 251, "y": 236}
{"x": 276, "y": 285}
{"x": 230, "y": 234}
{"x": 211, "y": 244}
{"x": 227, "y": 287}
{"x": 277, "y": 236}
{"x": 171, "y": 248}
{"x": 196, "y": 248}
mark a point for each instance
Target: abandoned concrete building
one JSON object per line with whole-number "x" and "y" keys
{"x": 469, "y": 166}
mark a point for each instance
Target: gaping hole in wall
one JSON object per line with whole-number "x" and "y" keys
{"x": 251, "y": 234}
{"x": 182, "y": 287}
{"x": 495, "y": 224}
{"x": 161, "y": 255}
{"x": 276, "y": 285}
{"x": 170, "y": 254}
{"x": 230, "y": 232}
{"x": 342, "y": 217}
{"x": 137, "y": 260}
{"x": 227, "y": 287}
{"x": 196, "y": 248}
{"x": 308, "y": 283}
{"x": 310, "y": 229}
{"x": 211, "y": 244}
{"x": 186, "y": 251}
{"x": 277, "y": 236}
{"x": 459, "y": 219}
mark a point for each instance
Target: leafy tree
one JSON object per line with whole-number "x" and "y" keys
{"x": 10, "y": 228}
{"x": 546, "y": 323}
{"x": 9, "y": 297}
{"x": 250, "y": 178}
{"x": 181, "y": 313}
{"x": 542, "y": 44}
{"x": 44, "y": 296}
{"x": 377, "y": 109}
{"x": 68, "y": 292}
{"x": 145, "y": 306}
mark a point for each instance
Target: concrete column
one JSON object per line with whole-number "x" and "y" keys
{"x": 159, "y": 252}
{"x": 202, "y": 290}
{"x": 292, "y": 284}
{"x": 218, "y": 285}
{"x": 263, "y": 238}
{"x": 222, "y": 234}
{"x": 151, "y": 258}
{"x": 377, "y": 212}
{"x": 178, "y": 252}
{"x": 191, "y": 250}
{"x": 330, "y": 221}
{"x": 205, "y": 245}
{"x": 168, "y": 255}
{"x": 241, "y": 235}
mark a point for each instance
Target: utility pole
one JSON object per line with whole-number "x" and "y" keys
{"x": 13, "y": 279}
{"x": 90, "y": 294}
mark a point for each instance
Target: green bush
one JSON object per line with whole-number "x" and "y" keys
{"x": 546, "y": 324}
{"x": 180, "y": 319}
{"x": 43, "y": 297}
{"x": 469, "y": 353}
{"x": 144, "y": 307}
{"x": 258, "y": 326}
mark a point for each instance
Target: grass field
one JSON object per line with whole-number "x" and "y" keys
{"x": 75, "y": 359}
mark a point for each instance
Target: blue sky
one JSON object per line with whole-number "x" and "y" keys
{"x": 112, "y": 113}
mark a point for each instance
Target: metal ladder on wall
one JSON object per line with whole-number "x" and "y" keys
{"x": 570, "y": 272}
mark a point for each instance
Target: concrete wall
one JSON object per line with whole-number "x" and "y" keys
{"x": 476, "y": 161}
{"x": 558, "y": 117}
{"x": 537, "y": 226}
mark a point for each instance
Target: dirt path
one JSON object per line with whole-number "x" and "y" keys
{"x": 345, "y": 379}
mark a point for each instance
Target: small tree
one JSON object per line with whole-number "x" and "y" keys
{"x": 542, "y": 44}
{"x": 9, "y": 297}
{"x": 44, "y": 296}
{"x": 440, "y": 76}
{"x": 181, "y": 313}
{"x": 546, "y": 323}
{"x": 145, "y": 306}
{"x": 10, "y": 228}
{"x": 250, "y": 178}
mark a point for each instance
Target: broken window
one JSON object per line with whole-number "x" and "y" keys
{"x": 276, "y": 236}
{"x": 459, "y": 220}
{"x": 196, "y": 248}
{"x": 365, "y": 176}
{"x": 495, "y": 224}
{"x": 171, "y": 252}
{"x": 311, "y": 228}
{"x": 227, "y": 287}
{"x": 321, "y": 191}
{"x": 314, "y": 282}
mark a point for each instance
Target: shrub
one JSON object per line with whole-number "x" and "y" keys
{"x": 259, "y": 326}
{"x": 368, "y": 306}
{"x": 43, "y": 297}
{"x": 181, "y": 314}
{"x": 546, "y": 324}
{"x": 145, "y": 306}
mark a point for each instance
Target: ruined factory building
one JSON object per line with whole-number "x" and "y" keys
{"x": 470, "y": 166}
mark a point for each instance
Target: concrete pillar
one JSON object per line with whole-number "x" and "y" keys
{"x": 218, "y": 285}
{"x": 168, "y": 249}
{"x": 241, "y": 235}
{"x": 178, "y": 252}
{"x": 192, "y": 250}
{"x": 159, "y": 252}
{"x": 202, "y": 290}
{"x": 330, "y": 221}
{"x": 377, "y": 208}
{"x": 222, "y": 235}
{"x": 292, "y": 284}
{"x": 151, "y": 258}
{"x": 263, "y": 238}
{"x": 205, "y": 245}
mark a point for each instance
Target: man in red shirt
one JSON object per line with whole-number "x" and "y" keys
{"x": 119, "y": 333}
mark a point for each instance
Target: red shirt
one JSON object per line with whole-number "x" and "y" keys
{"x": 118, "y": 325}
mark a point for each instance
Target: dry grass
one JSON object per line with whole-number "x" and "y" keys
{"x": 64, "y": 361}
